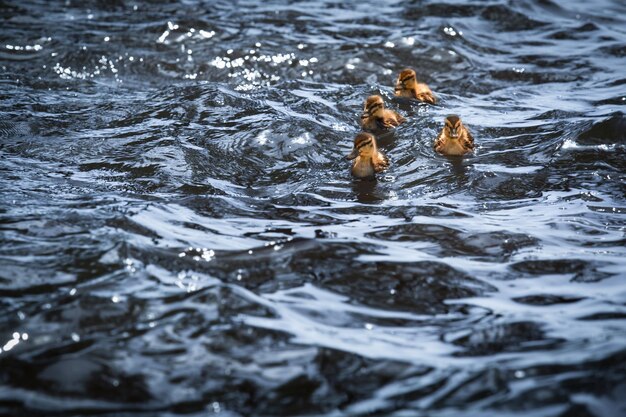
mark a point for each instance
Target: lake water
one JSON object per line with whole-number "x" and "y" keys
{"x": 180, "y": 233}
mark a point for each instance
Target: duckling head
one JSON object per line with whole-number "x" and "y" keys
{"x": 453, "y": 126}
{"x": 364, "y": 146}
{"x": 374, "y": 106}
{"x": 407, "y": 78}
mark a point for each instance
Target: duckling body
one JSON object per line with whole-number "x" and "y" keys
{"x": 454, "y": 139}
{"x": 408, "y": 86}
{"x": 367, "y": 159}
{"x": 376, "y": 118}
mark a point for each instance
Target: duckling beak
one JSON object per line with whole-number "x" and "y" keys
{"x": 454, "y": 133}
{"x": 353, "y": 154}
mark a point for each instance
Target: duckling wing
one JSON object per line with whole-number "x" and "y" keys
{"x": 426, "y": 97}
{"x": 384, "y": 123}
{"x": 381, "y": 163}
{"x": 391, "y": 119}
{"x": 468, "y": 141}
{"x": 400, "y": 118}
{"x": 438, "y": 142}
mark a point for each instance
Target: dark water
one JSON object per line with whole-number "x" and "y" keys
{"x": 181, "y": 236}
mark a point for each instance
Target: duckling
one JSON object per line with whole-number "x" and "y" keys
{"x": 454, "y": 138}
{"x": 407, "y": 86}
{"x": 368, "y": 160}
{"x": 376, "y": 118}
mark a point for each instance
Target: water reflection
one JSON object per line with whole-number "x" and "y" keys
{"x": 459, "y": 168}
{"x": 368, "y": 190}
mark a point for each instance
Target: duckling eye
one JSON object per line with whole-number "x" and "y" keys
{"x": 364, "y": 144}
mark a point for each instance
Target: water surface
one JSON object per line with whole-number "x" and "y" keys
{"x": 180, "y": 234}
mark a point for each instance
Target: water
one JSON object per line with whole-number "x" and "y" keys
{"x": 181, "y": 235}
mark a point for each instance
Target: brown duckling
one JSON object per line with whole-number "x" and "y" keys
{"x": 376, "y": 118}
{"x": 454, "y": 138}
{"x": 408, "y": 86}
{"x": 368, "y": 160}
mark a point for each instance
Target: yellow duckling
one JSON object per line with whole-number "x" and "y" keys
{"x": 454, "y": 138}
{"x": 368, "y": 160}
{"x": 376, "y": 118}
{"x": 408, "y": 86}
